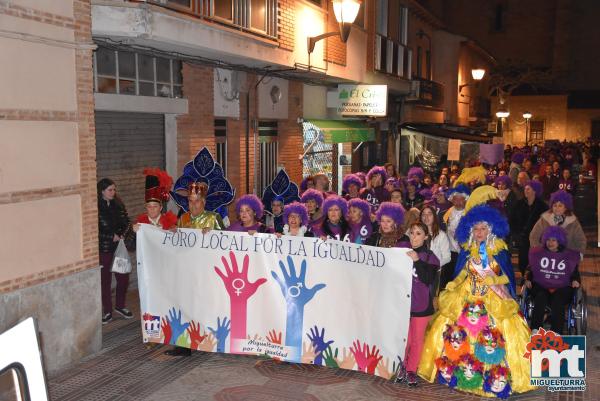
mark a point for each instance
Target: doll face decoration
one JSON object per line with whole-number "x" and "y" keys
{"x": 474, "y": 317}
{"x": 456, "y": 342}
{"x": 490, "y": 347}
{"x": 470, "y": 367}
{"x": 497, "y": 381}
{"x": 445, "y": 367}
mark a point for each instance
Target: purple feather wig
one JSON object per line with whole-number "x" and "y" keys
{"x": 362, "y": 205}
{"x": 377, "y": 170}
{"x": 503, "y": 179}
{"x": 394, "y": 211}
{"x": 556, "y": 232}
{"x": 296, "y": 208}
{"x": 350, "y": 179}
{"x": 415, "y": 171}
{"x": 563, "y": 197}
{"x": 253, "y": 202}
{"x": 537, "y": 187}
{"x": 517, "y": 157}
{"x": 426, "y": 193}
{"x": 304, "y": 183}
{"x": 362, "y": 176}
{"x": 313, "y": 194}
{"x": 335, "y": 200}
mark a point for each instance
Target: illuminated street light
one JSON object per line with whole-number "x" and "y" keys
{"x": 477, "y": 73}
{"x": 345, "y": 12}
{"x": 502, "y": 113}
{"x": 527, "y": 115}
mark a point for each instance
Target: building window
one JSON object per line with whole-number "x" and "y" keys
{"x": 129, "y": 73}
{"x": 419, "y": 71}
{"x": 392, "y": 55}
{"x": 267, "y": 141}
{"x": 536, "y": 130}
{"x": 221, "y": 143}
{"x": 499, "y": 22}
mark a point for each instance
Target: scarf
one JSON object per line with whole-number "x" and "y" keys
{"x": 389, "y": 240}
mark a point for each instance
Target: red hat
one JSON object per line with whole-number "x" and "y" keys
{"x": 158, "y": 184}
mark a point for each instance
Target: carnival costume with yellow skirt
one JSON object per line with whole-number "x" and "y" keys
{"x": 476, "y": 341}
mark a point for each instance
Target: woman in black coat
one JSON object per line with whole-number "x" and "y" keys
{"x": 113, "y": 224}
{"x": 525, "y": 214}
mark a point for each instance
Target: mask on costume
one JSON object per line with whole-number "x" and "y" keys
{"x": 490, "y": 347}
{"x": 456, "y": 342}
{"x": 497, "y": 381}
{"x": 446, "y": 370}
{"x": 474, "y": 317}
{"x": 469, "y": 373}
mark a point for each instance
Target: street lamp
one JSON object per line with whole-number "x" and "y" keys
{"x": 527, "y": 116}
{"x": 345, "y": 12}
{"x": 477, "y": 73}
{"x": 502, "y": 113}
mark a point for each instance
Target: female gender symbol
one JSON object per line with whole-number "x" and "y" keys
{"x": 239, "y": 289}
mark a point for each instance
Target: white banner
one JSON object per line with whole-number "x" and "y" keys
{"x": 297, "y": 299}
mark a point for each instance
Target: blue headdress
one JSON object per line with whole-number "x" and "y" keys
{"x": 460, "y": 189}
{"x": 203, "y": 168}
{"x": 281, "y": 189}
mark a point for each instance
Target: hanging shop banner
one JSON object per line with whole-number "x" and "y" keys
{"x": 454, "y": 149}
{"x": 303, "y": 300}
{"x": 359, "y": 100}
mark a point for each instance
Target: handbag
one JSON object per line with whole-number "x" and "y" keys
{"x": 121, "y": 262}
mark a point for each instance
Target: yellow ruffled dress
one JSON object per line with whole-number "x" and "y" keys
{"x": 503, "y": 313}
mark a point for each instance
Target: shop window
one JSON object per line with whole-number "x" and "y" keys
{"x": 536, "y": 130}
{"x": 129, "y": 73}
{"x": 221, "y": 143}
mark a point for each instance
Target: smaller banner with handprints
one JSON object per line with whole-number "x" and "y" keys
{"x": 304, "y": 300}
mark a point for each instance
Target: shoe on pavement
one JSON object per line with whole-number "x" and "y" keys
{"x": 411, "y": 378}
{"x": 401, "y": 373}
{"x": 126, "y": 313}
{"x": 107, "y": 317}
{"x": 178, "y": 351}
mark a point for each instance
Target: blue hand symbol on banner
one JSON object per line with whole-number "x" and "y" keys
{"x": 297, "y": 295}
{"x": 176, "y": 326}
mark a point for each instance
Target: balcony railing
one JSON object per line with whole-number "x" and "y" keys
{"x": 480, "y": 108}
{"x": 255, "y": 16}
{"x": 392, "y": 57}
{"x": 426, "y": 92}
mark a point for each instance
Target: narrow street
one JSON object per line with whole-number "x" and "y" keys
{"x": 126, "y": 370}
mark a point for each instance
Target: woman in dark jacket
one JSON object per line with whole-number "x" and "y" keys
{"x": 113, "y": 224}
{"x": 526, "y": 213}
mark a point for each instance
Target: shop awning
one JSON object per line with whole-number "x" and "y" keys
{"x": 448, "y": 131}
{"x": 338, "y": 131}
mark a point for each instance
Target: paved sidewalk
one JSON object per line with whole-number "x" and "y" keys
{"x": 126, "y": 369}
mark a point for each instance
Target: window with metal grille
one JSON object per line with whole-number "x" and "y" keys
{"x": 536, "y": 130}
{"x": 221, "y": 143}
{"x": 267, "y": 158}
{"x": 129, "y": 73}
{"x": 319, "y": 155}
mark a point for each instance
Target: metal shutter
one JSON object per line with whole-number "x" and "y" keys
{"x": 126, "y": 143}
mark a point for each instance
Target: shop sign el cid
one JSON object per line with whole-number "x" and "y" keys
{"x": 360, "y": 100}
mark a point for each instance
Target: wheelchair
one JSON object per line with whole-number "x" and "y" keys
{"x": 576, "y": 313}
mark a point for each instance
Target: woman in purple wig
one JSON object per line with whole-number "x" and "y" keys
{"x": 555, "y": 289}
{"x": 334, "y": 224}
{"x": 359, "y": 220}
{"x": 560, "y": 214}
{"x": 375, "y": 193}
{"x": 249, "y": 209}
{"x": 295, "y": 219}
{"x": 313, "y": 200}
{"x": 351, "y": 186}
{"x": 390, "y": 217}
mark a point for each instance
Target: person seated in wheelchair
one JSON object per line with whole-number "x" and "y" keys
{"x": 551, "y": 277}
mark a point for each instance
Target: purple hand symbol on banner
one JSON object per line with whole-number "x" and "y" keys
{"x": 297, "y": 295}
{"x": 318, "y": 341}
